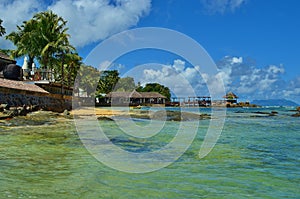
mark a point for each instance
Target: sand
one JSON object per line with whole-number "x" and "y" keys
{"x": 97, "y": 111}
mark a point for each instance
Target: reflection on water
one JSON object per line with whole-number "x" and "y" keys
{"x": 41, "y": 156}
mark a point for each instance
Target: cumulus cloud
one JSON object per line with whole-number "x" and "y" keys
{"x": 221, "y": 6}
{"x": 237, "y": 74}
{"x": 249, "y": 80}
{"x": 182, "y": 80}
{"x": 13, "y": 13}
{"x": 88, "y": 20}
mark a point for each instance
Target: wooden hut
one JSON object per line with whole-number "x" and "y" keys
{"x": 135, "y": 98}
{"x": 231, "y": 98}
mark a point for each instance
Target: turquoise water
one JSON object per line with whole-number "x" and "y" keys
{"x": 41, "y": 156}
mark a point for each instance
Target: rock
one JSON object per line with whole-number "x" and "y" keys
{"x": 296, "y": 115}
{"x": 66, "y": 112}
{"x": 298, "y": 108}
{"x": 11, "y": 113}
{"x": 261, "y": 112}
{"x": 177, "y": 116}
{"x": 167, "y": 116}
{"x": 4, "y": 117}
{"x": 4, "y": 107}
{"x": 22, "y": 111}
{"x": 103, "y": 118}
{"x": 35, "y": 108}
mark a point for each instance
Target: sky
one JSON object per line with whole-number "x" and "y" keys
{"x": 255, "y": 44}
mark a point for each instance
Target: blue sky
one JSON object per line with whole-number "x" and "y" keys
{"x": 256, "y": 44}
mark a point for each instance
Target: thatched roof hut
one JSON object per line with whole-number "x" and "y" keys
{"x": 230, "y": 95}
{"x": 231, "y": 98}
{"x": 135, "y": 98}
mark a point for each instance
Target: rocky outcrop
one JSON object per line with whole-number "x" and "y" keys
{"x": 166, "y": 115}
{"x": 298, "y": 112}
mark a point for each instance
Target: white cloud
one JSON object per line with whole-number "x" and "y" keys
{"x": 221, "y": 6}
{"x": 13, "y": 13}
{"x": 182, "y": 80}
{"x": 237, "y": 74}
{"x": 237, "y": 60}
{"x": 249, "y": 80}
{"x": 88, "y": 20}
{"x": 179, "y": 65}
{"x": 275, "y": 69}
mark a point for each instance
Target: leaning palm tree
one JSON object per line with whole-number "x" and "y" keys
{"x": 55, "y": 42}
{"x": 43, "y": 37}
{"x": 26, "y": 41}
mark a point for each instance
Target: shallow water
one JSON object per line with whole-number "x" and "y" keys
{"x": 41, "y": 156}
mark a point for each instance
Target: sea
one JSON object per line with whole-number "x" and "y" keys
{"x": 257, "y": 155}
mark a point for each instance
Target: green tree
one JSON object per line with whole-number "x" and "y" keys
{"x": 26, "y": 41}
{"x": 2, "y": 29}
{"x": 73, "y": 63}
{"x": 53, "y": 39}
{"x": 155, "y": 87}
{"x": 108, "y": 80}
{"x": 125, "y": 84}
{"x": 87, "y": 80}
{"x": 44, "y": 37}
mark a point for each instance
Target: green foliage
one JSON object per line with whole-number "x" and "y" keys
{"x": 87, "y": 79}
{"x": 125, "y": 84}
{"x": 155, "y": 87}
{"x": 45, "y": 38}
{"x": 108, "y": 80}
{"x": 2, "y": 29}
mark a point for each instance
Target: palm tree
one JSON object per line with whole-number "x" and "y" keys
{"x": 44, "y": 37}
{"x": 2, "y": 29}
{"x": 53, "y": 37}
{"x": 26, "y": 41}
{"x": 73, "y": 62}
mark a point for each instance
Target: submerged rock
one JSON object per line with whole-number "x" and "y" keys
{"x": 272, "y": 113}
{"x": 66, "y": 112}
{"x": 169, "y": 116}
{"x": 296, "y": 115}
{"x": 103, "y": 118}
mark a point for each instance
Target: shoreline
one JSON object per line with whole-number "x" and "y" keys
{"x": 101, "y": 112}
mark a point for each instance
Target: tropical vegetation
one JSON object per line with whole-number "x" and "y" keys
{"x": 44, "y": 38}
{"x": 155, "y": 87}
{"x": 110, "y": 81}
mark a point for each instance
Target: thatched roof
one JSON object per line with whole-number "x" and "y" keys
{"x": 230, "y": 95}
{"x": 6, "y": 58}
{"x": 20, "y": 85}
{"x": 135, "y": 94}
{"x": 152, "y": 95}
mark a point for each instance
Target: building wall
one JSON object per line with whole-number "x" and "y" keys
{"x": 46, "y": 101}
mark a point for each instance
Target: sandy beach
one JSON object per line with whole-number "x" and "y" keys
{"x": 97, "y": 111}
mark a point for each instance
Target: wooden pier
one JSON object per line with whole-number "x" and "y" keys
{"x": 191, "y": 101}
